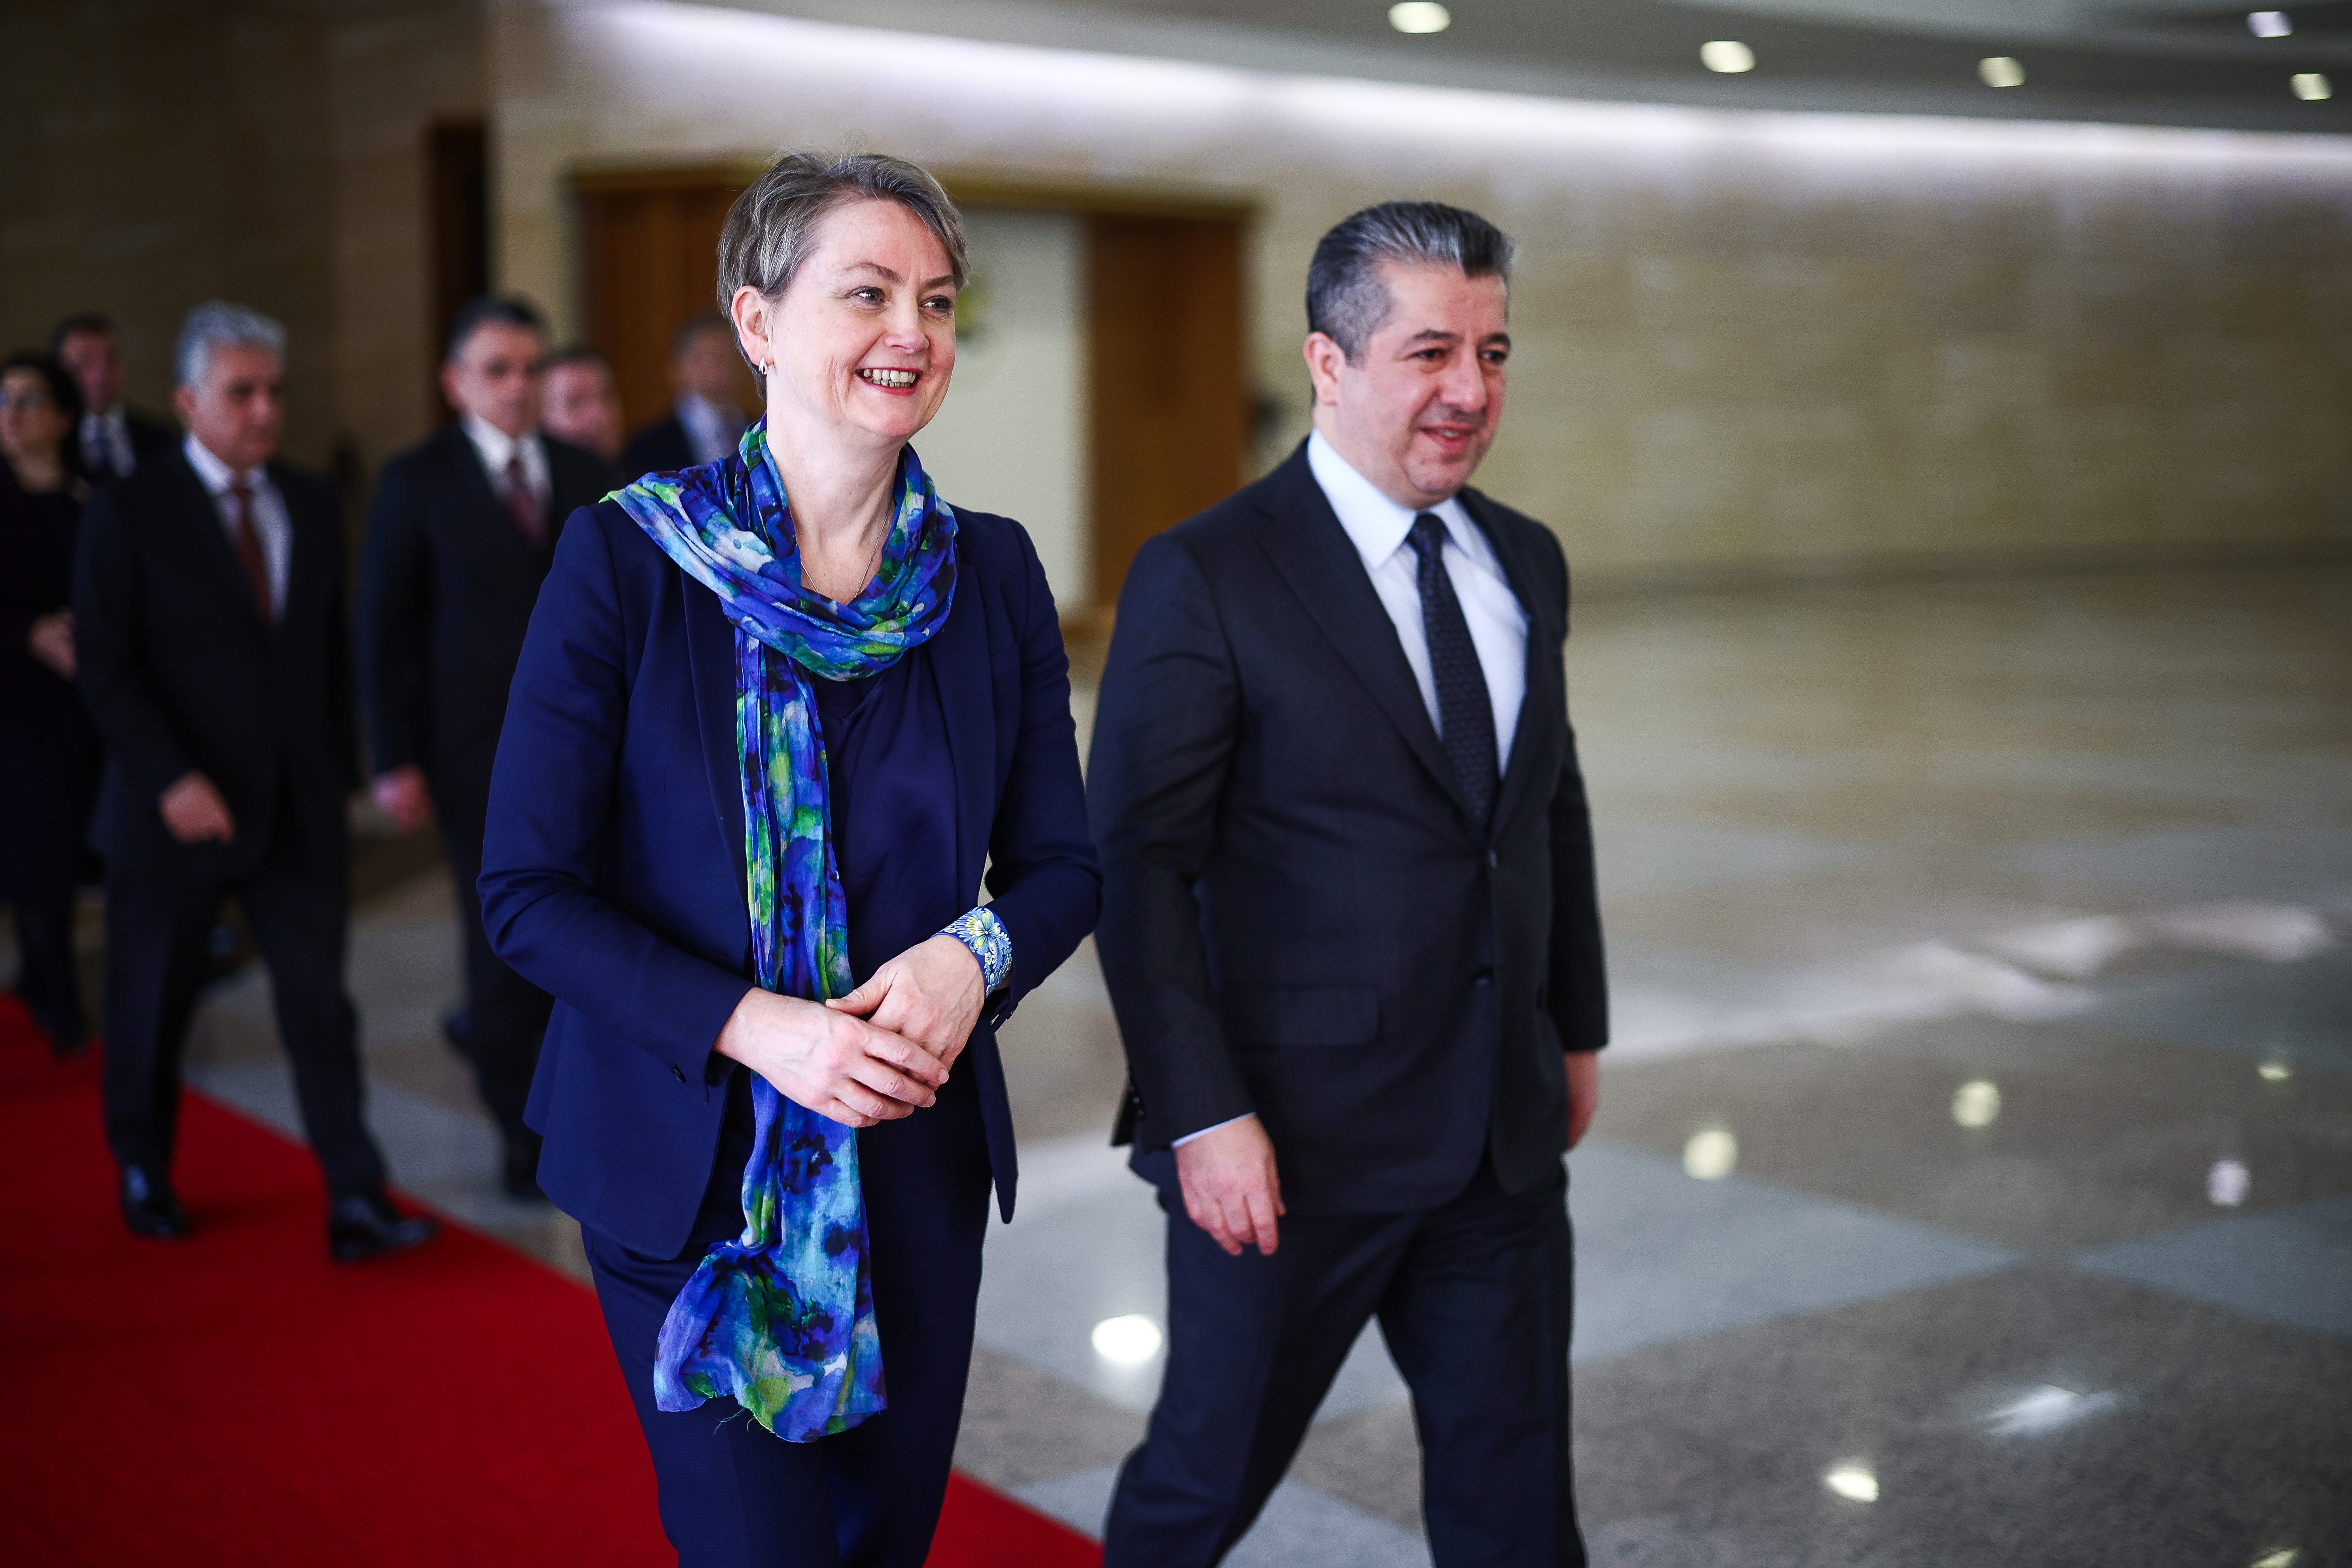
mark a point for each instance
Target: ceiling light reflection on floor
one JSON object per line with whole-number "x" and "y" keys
{"x": 1853, "y": 1482}
{"x": 2269, "y": 24}
{"x": 2310, "y": 86}
{"x": 1128, "y": 1340}
{"x": 2001, "y": 70}
{"x": 2284, "y": 1557}
{"x": 2275, "y": 1072}
{"x": 2228, "y": 1183}
{"x": 1420, "y": 16}
{"x": 2045, "y": 1408}
{"x": 1711, "y": 1154}
{"x": 1727, "y": 56}
{"x": 1976, "y": 1103}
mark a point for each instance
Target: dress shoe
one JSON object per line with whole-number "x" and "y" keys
{"x": 519, "y": 1169}
{"x": 364, "y": 1225}
{"x": 149, "y": 1205}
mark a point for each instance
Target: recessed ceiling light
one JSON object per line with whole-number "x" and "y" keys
{"x": 2311, "y": 86}
{"x": 1729, "y": 55}
{"x": 2001, "y": 70}
{"x": 2269, "y": 24}
{"x": 1420, "y": 16}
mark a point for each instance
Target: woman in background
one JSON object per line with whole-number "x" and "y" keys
{"x": 774, "y": 717}
{"x": 49, "y": 751}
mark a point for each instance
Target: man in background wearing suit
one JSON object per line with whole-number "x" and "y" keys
{"x": 460, "y": 538}
{"x": 1350, "y": 930}
{"x": 114, "y": 440}
{"x": 211, "y": 645}
{"x": 706, "y": 422}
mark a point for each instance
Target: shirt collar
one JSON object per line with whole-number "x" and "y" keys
{"x": 217, "y": 476}
{"x": 1376, "y": 524}
{"x": 498, "y": 448}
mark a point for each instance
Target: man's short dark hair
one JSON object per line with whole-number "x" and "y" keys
{"x": 695, "y": 326}
{"x": 80, "y": 322}
{"x": 492, "y": 310}
{"x": 578, "y": 353}
{"x": 1347, "y": 301}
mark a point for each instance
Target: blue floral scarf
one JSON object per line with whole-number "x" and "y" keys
{"x": 781, "y": 1320}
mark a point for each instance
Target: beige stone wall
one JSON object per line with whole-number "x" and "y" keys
{"x": 156, "y": 153}
{"x": 1748, "y": 343}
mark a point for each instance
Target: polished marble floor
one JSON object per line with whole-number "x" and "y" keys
{"x": 1973, "y": 1181}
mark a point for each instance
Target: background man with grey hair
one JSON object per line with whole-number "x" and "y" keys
{"x": 1348, "y": 928}
{"x": 211, "y": 642}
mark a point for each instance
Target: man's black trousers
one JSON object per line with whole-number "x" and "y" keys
{"x": 158, "y": 938}
{"x": 1476, "y": 1299}
{"x": 504, "y": 1018}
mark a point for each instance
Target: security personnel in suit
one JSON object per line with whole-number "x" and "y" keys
{"x": 462, "y": 533}
{"x": 211, "y": 644}
{"x": 1348, "y": 928}
{"x": 113, "y": 439}
{"x": 706, "y": 422}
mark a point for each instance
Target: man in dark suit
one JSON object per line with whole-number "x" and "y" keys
{"x": 1348, "y": 928}
{"x": 464, "y": 528}
{"x": 114, "y": 440}
{"x": 706, "y": 421}
{"x": 211, "y": 645}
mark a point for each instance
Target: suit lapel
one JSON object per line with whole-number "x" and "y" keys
{"x": 482, "y": 490}
{"x": 710, "y": 664}
{"x": 960, "y": 664}
{"x": 1544, "y": 692}
{"x": 1320, "y": 562}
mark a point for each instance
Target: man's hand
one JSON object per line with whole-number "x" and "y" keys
{"x": 832, "y": 1063}
{"x": 402, "y": 795}
{"x": 1583, "y": 1092}
{"x": 930, "y": 995}
{"x": 194, "y": 812}
{"x": 52, "y": 641}
{"x": 1231, "y": 1187}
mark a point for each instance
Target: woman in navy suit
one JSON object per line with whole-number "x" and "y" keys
{"x": 772, "y": 718}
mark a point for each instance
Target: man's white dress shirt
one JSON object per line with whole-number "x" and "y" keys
{"x": 1381, "y": 530}
{"x": 267, "y": 509}
{"x": 497, "y": 449}
{"x": 713, "y": 432}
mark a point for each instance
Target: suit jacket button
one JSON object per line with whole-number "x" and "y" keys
{"x": 678, "y": 1073}
{"x": 1493, "y": 859}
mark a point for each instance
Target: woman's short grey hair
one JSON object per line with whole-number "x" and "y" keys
{"x": 1346, "y": 299}
{"x": 771, "y": 229}
{"x": 217, "y": 324}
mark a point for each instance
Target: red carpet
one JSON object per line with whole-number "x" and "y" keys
{"x": 234, "y": 1399}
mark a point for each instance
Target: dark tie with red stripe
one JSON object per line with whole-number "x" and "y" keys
{"x": 249, "y": 554}
{"x": 523, "y": 503}
{"x": 1465, "y": 713}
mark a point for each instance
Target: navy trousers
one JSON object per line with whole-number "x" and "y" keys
{"x": 1476, "y": 1299}
{"x": 732, "y": 1494}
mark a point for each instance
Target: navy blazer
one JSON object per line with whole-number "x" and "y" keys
{"x": 612, "y": 866}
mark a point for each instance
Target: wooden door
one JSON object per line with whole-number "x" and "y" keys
{"x": 1168, "y": 396}
{"x": 650, "y": 249}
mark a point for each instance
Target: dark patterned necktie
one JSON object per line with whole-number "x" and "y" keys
{"x": 1465, "y": 714}
{"x": 249, "y": 554}
{"x": 523, "y": 503}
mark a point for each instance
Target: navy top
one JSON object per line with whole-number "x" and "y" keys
{"x": 893, "y": 798}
